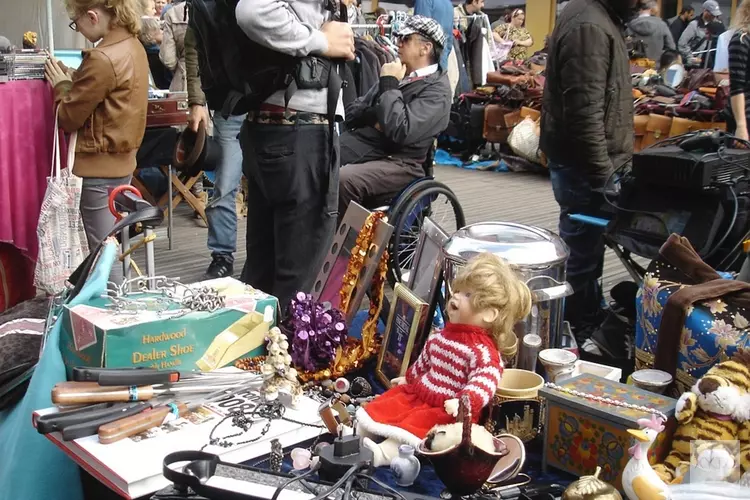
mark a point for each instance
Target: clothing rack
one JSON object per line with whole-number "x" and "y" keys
{"x": 370, "y": 26}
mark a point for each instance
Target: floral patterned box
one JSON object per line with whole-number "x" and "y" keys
{"x": 581, "y": 433}
{"x": 712, "y": 333}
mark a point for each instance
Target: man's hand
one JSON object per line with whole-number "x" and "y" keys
{"x": 340, "y": 40}
{"x": 741, "y": 132}
{"x": 398, "y": 381}
{"x": 197, "y": 115}
{"x": 395, "y": 69}
{"x": 54, "y": 73}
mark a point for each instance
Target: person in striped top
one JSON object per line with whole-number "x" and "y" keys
{"x": 488, "y": 299}
{"x": 739, "y": 72}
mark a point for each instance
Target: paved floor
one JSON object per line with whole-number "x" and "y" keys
{"x": 484, "y": 196}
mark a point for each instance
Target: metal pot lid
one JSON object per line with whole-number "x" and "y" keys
{"x": 521, "y": 245}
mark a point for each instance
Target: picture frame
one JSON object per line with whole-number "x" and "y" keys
{"x": 428, "y": 256}
{"x": 330, "y": 278}
{"x": 426, "y": 276}
{"x": 407, "y": 318}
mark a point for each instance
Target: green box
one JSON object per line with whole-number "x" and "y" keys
{"x": 96, "y": 335}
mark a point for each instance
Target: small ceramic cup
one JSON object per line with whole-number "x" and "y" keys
{"x": 509, "y": 352}
{"x": 652, "y": 380}
{"x": 558, "y": 364}
{"x": 519, "y": 384}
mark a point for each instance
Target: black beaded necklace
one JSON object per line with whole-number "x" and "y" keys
{"x": 243, "y": 419}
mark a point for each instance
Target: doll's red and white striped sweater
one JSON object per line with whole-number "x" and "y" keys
{"x": 461, "y": 359}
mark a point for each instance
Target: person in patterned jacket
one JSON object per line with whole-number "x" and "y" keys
{"x": 463, "y": 359}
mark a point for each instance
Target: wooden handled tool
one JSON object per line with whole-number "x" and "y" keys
{"x": 81, "y": 393}
{"x": 130, "y": 426}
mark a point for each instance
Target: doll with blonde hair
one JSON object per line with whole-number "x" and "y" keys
{"x": 488, "y": 299}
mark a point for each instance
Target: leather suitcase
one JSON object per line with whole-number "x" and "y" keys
{"x": 640, "y": 123}
{"x": 498, "y": 122}
{"x": 684, "y": 125}
{"x": 167, "y": 112}
{"x": 657, "y": 129}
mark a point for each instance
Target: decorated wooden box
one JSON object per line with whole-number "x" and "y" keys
{"x": 581, "y": 434}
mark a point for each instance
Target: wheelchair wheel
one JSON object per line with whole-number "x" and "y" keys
{"x": 432, "y": 199}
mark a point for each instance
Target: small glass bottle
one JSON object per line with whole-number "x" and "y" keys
{"x": 529, "y": 351}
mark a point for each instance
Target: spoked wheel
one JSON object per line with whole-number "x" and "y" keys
{"x": 434, "y": 200}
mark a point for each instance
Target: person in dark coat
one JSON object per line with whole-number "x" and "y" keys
{"x": 586, "y": 134}
{"x": 678, "y": 23}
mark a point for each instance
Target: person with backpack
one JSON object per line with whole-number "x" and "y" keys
{"x": 652, "y": 31}
{"x": 289, "y": 141}
{"x": 221, "y": 209}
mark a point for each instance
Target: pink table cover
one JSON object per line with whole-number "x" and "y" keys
{"x": 26, "y": 132}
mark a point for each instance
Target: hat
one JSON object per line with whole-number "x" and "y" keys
{"x": 425, "y": 26}
{"x": 712, "y": 6}
{"x": 196, "y": 151}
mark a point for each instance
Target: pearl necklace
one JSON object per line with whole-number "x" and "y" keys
{"x": 608, "y": 401}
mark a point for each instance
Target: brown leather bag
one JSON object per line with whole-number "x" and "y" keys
{"x": 684, "y": 125}
{"x": 498, "y": 122}
{"x": 639, "y": 124}
{"x": 657, "y": 129}
{"x": 498, "y": 78}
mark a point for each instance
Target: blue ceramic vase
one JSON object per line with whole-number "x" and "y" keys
{"x": 405, "y": 466}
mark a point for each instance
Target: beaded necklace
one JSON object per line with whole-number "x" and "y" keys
{"x": 243, "y": 419}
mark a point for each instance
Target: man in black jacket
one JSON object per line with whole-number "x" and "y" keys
{"x": 586, "y": 134}
{"x": 678, "y": 23}
{"x": 391, "y": 128}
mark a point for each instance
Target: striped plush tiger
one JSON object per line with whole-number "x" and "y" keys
{"x": 717, "y": 408}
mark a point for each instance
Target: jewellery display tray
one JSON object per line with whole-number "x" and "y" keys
{"x": 208, "y": 476}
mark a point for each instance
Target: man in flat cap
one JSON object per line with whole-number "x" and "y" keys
{"x": 391, "y": 128}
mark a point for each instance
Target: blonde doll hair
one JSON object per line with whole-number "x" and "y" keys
{"x": 125, "y": 13}
{"x": 741, "y": 19}
{"x": 494, "y": 284}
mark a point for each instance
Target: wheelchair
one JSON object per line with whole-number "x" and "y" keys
{"x": 406, "y": 211}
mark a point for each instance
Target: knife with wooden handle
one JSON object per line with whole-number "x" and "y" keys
{"x": 81, "y": 393}
{"x": 135, "y": 424}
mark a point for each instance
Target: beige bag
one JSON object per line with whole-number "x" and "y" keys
{"x": 524, "y": 140}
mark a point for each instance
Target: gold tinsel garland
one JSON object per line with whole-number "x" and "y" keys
{"x": 355, "y": 352}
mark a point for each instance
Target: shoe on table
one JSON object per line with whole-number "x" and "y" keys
{"x": 220, "y": 267}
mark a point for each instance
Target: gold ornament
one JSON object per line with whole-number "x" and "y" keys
{"x": 591, "y": 488}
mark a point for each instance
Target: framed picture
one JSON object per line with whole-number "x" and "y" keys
{"x": 427, "y": 259}
{"x": 331, "y": 275}
{"x": 407, "y": 318}
{"x": 426, "y": 276}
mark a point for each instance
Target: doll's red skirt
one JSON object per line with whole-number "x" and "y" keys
{"x": 400, "y": 408}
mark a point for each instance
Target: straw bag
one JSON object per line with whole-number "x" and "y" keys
{"x": 524, "y": 140}
{"x": 59, "y": 229}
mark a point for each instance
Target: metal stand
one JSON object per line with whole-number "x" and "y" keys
{"x": 150, "y": 266}
{"x": 125, "y": 246}
{"x": 169, "y": 206}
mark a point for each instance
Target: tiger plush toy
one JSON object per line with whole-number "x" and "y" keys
{"x": 717, "y": 408}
